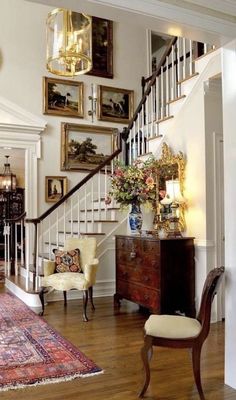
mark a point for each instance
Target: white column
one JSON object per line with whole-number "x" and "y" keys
{"x": 229, "y": 123}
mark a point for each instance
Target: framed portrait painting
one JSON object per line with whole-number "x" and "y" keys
{"x": 55, "y": 188}
{"x": 102, "y": 48}
{"x": 84, "y": 147}
{"x": 114, "y": 104}
{"x": 63, "y": 97}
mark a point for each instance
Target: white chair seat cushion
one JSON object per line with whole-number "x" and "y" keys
{"x": 66, "y": 281}
{"x": 172, "y": 326}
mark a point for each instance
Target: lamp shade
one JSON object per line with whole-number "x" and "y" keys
{"x": 7, "y": 178}
{"x": 173, "y": 191}
{"x": 69, "y": 42}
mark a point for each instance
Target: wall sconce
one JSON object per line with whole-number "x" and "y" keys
{"x": 173, "y": 198}
{"x": 93, "y": 100}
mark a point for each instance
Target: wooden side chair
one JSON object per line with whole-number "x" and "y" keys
{"x": 182, "y": 332}
{"x": 76, "y": 269}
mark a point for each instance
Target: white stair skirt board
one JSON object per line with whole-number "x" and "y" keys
{"x": 32, "y": 300}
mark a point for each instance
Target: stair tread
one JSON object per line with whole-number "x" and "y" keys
{"x": 20, "y": 281}
{"x": 101, "y": 209}
{"x": 97, "y": 220}
{"x": 83, "y": 234}
{"x": 176, "y": 99}
{"x": 154, "y": 137}
{"x": 188, "y": 77}
{"x": 163, "y": 119}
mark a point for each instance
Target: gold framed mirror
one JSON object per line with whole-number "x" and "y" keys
{"x": 169, "y": 167}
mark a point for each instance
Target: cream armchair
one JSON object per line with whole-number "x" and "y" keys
{"x": 73, "y": 280}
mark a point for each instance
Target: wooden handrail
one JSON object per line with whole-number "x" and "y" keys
{"x": 75, "y": 188}
{"x": 151, "y": 82}
{"x": 19, "y": 218}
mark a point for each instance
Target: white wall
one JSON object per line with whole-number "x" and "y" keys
{"x": 229, "y": 123}
{"x": 187, "y": 133}
{"x": 22, "y": 66}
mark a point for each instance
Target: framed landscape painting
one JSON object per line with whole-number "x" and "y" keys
{"x": 55, "y": 188}
{"x": 115, "y": 105}
{"x": 84, "y": 147}
{"x": 102, "y": 48}
{"x": 63, "y": 97}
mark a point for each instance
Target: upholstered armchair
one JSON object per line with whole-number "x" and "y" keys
{"x": 78, "y": 255}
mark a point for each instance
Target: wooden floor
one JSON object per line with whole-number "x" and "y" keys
{"x": 112, "y": 339}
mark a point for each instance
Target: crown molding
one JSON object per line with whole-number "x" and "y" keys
{"x": 164, "y": 16}
{"x": 15, "y": 119}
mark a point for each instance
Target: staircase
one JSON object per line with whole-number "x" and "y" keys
{"x": 83, "y": 210}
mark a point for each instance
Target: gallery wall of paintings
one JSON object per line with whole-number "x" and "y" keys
{"x": 84, "y": 146}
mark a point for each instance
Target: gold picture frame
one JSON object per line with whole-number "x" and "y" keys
{"x": 55, "y": 188}
{"x": 115, "y": 104}
{"x": 84, "y": 147}
{"x": 63, "y": 97}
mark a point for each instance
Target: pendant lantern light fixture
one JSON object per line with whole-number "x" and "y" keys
{"x": 7, "y": 178}
{"x": 69, "y": 43}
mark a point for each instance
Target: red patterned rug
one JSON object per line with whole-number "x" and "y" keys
{"x": 32, "y": 352}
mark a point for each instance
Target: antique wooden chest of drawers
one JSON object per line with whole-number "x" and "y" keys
{"x": 158, "y": 274}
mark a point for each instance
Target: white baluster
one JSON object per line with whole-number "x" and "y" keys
{"x": 191, "y": 57}
{"x": 16, "y": 256}
{"x": 133, "y": 143}
{"x": 99, "y": 195}
{"x": 22, "y": 242}
{"x": 105, "y": 185}
{"x": 78, "y": 215}
{"x": 178, "y": 66}
{"x": 184, "y": 58}
{"x": 49, "y": 237}
{"x": 71, "y": 216}
{"x": 152, "y": 111}
{"x": 64, "y": 222}
{"x": 173, "y": 73}
{"x": 167, "y": 81}
{"x": 157, "y": 98}
{"x": 86, "y": 209}
{"x": 57, "y": 227}
{"x": 162, "y": 93}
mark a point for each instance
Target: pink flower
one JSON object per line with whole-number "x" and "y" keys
{"x": 118, "y": 172}
{"x": 107, "y": 200}
{"x": 150, "y": 182}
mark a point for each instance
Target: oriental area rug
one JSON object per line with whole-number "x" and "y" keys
{"x": 32, "y": 352}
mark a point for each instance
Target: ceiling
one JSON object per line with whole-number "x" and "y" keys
{"x": 213, "y": 21}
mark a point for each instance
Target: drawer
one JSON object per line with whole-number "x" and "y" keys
{"x": 138, "y": 294}
{"x": 147, "y": 277}
{"x": 134, "y": 259}
{"x": 129, "y": 244}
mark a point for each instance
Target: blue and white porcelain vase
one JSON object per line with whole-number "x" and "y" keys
{"x": 135, "y": 218}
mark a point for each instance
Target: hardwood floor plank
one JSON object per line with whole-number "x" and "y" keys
{"x": 112, "y": 339}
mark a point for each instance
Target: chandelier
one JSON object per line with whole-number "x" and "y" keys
{"x": 7, "y": 178}
{"x": 69, "y": 42}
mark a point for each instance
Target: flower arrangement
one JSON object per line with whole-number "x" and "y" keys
{"x": 133, "y": 184}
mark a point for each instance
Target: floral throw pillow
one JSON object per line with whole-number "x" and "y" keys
{"x": 67, "y": 261}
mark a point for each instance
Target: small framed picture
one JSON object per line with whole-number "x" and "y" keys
{"x": 63, "y": 97}
{"x": 102, "y": 48}
{"x": 115, "y": 105}
{"x": 55, "y": 188}
{"x": 84, "y": 147}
